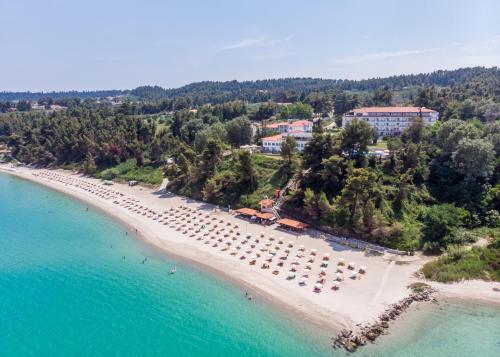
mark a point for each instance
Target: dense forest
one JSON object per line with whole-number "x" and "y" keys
{"x": 280, "y": 90}
{"x": 438, "y": 190}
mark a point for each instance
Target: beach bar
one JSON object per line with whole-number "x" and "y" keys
{"x": 261, "y": 217}
{"x": 246, "y": 212}
{"x": 265, "y": 217}
{"x": 292, "y": 224}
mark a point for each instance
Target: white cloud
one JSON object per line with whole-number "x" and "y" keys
{"x": 244, "y": 43}
{"x": 381, "y": 56}
{"x": 255, "y": 42}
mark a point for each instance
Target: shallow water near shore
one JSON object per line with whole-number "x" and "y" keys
{"x": 73, "y": 283}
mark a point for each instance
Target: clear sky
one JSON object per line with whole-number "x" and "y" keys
{"x": 108, "y": 44}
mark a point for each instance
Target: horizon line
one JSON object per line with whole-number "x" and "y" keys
{"x": 240, "y": 81}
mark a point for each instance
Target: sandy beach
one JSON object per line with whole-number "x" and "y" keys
{"x": 357, "y": 300}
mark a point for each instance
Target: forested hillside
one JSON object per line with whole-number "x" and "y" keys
{"x": 438, "y": 190}
{"x": 286, "y": 89}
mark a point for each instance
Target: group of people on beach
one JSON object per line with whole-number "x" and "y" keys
{"x": 210, "y": 229}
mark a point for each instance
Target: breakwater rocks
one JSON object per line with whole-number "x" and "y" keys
{"x": 351, "y": 340}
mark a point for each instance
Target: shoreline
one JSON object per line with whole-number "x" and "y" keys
{"x": 293, "y": 301}
{"x": 152, "y": 241}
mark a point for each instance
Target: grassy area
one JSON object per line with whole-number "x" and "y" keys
{"x": 380, "y": 145}
{"x": 459, "y": 263}
{"x": 128, "y": 171}
{"x": 268, "y": 180}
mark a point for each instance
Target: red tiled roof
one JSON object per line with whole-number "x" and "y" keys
{"x": 292, "y": 223}
{"x": 392, "y": 109}
{"x": 247, "y": 211}
{"x": 300, "y": 123}
{"x": 264, "y": 215}
{"x": 275, "y": 125}
{"x": 273, "y": 138}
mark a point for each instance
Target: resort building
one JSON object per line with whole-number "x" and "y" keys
{"x": 273, "y": 143}
{"x": 390, "y": 121}
{"x": 301, "y": 130}
{"x": 285, "y": 126}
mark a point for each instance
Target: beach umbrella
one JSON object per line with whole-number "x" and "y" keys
{"x": 351, "y": 265}
{"x": 318, "y": 286}
{"x": 362, "y": 269}
{"x": 291, "y": 275}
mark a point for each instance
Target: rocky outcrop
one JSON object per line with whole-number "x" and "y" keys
{"x": 351, "y": 340}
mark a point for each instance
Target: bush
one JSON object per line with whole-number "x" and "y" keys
{"x": 440, "y": 223}
{"x": 129, "y": 171}
{"x": 110, "y": 174}
{"x": 459, "y": 263}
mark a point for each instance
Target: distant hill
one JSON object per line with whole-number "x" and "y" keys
{"x": 261, "y": 90}
{"x": 13, "y": 96}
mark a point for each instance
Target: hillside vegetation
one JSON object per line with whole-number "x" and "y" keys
{"x": 437, "y": 189}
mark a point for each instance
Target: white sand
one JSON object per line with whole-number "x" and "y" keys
{"x": 357, "y": 301}
{"x": 480, "y": 290}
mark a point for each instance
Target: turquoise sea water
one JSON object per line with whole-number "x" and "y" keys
{"x": 72, "y": 284}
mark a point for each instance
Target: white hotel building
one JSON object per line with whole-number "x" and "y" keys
{"x": 390, "y": 121}
{"x": 301, "y": 130}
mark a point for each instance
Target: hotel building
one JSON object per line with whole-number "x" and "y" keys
{"x": 390, "y": 121}
{"x": 301, "y": 130}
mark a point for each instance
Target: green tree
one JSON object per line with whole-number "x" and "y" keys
{"x": 356, "y": 137}
{"x": 288, "y": 150}
{"x": 357, "y": 192}
{"x": 382, "y": 96}
{"x": 311, "y": 205}
{"x": 296, "y": 111}
{"x": 89, "y": 166}
{"x": 440, "y": 222}
{"x": 333, "y": 174}
{"x": 246, "y": 172}
{"x": 473, "y": 158}
{"x": 239, "y": 131}
{"x": 210, "y": 159}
